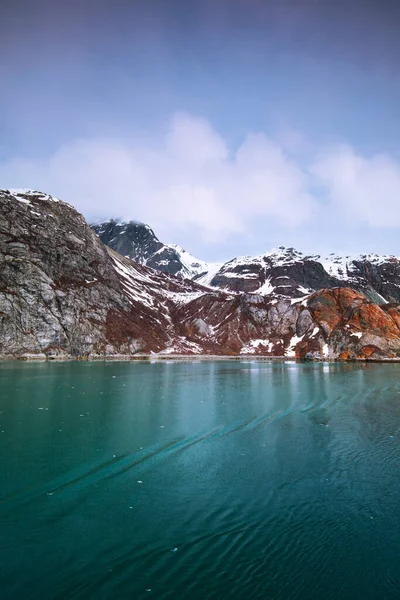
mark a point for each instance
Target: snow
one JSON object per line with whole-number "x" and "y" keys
{"x": 292, "y": 344}
{"x": 304, "y": 291}
{"x": 342, "y": 268}
{"x": 302, "y": 301}
{"x": 253, "y": 344}
{"x": 17, "y": 192}
{"x": 23, "y": 200}
{"x": 325, "y": 350}
{"x": 266, "y": 288}
{"x": 183, "y": 297}
{"x": 383, "y": 300}
{"x": 212, "y": 270}
{"x": 192, "y": 266}
{"x": 256, "y": 343}
{"x": 357, "y": 334}
{"x": 148, "y": 287}
{"x": 133, "y": 282}
{"x": 182, "y": 345}
{"x": 336, "y": 266}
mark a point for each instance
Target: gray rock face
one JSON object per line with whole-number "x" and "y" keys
{"x": 135, "y": 240}
{"x": 59, "y": 290}
{"x": 381, "y": 275}
{"x": 166, "y": 260}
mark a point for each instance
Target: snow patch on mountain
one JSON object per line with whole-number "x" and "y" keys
{"x": 23, "y": 194}
{"x": 266, "y": 288}
{"x": 192, "y": 267}
{"x": 291, "y": 350}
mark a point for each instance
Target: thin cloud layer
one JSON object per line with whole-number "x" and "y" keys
{"x": 192, "y": 180}
{"x": 363, "y": 189}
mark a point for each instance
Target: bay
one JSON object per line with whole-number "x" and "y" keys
{"x": 199, "y": 479}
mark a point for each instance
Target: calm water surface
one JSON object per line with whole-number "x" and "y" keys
{"x": 199, "y": 480}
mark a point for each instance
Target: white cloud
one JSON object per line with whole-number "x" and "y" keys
{"x": 189, "y": 180}
{"x": 365, "y": 190}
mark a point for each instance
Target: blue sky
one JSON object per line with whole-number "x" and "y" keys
{"x": 230, "y": 126}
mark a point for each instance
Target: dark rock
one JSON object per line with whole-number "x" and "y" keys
{"x": 135, "y": 240}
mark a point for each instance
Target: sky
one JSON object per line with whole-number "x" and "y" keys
{"x": 229, "y": 126}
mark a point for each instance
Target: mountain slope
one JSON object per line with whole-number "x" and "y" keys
{"x": 139, "y": 242}
{"x": 63, "y": 292}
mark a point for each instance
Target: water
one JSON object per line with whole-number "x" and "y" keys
{"x": 203, "y": 480}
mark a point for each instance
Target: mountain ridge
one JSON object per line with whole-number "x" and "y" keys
{"x": 63, "y": 293}
{"x": 282, "y": 271}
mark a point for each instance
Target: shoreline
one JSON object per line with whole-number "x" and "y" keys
{"x": 184, "y": 358}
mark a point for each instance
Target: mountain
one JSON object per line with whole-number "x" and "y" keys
{"x": 138, "y": 241}
{"x": 283, "y": 272}
{"x": 64, "y": 293}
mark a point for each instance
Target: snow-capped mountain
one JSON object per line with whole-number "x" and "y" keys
{"x": 64, "y": 293}
{"x": 139, "y": 242}
{"x": 282, "y": 272}
{"x": 287, "y": 272}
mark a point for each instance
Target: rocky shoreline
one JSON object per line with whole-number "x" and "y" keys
{"x": 187, "y": 358}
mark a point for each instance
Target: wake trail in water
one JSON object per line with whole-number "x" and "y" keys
{"x": 112, "y": 468}
{"x": 108, "y": 469}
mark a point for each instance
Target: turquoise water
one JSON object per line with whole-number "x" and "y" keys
{"x": 200, "y": 480}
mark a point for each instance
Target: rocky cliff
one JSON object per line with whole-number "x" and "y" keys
{"x": 63, "y": 292}
{"x": 133, "y": 240}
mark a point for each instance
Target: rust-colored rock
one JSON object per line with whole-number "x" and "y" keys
{"x": 355, "y": 327}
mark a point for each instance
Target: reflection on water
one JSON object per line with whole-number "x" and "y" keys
{"x": 199, "y": 480}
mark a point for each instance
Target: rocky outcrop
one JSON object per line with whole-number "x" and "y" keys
{"x": 63, "y": 292}
{"x": 335, "y": 324}
{"x": 131, "y": 239}
{"x": 352, "y": 326}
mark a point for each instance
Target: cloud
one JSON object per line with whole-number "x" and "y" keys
{"x": 188, "y": 180}
{"x": 191, "y": 180}
{"x": 362, "y": 189}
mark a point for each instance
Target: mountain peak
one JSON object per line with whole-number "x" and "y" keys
{"x": 132, "y": 239}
